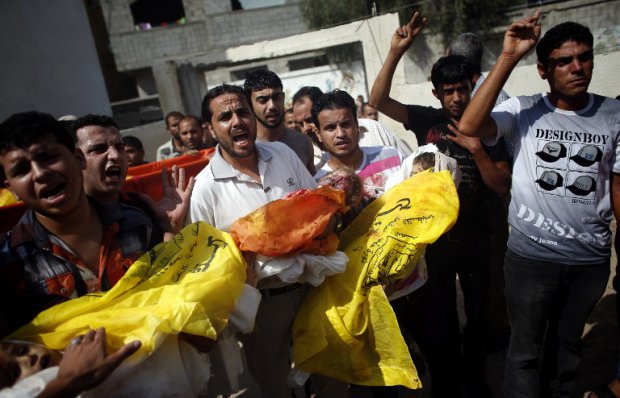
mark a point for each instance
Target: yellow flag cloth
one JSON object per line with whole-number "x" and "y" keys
{"x": 7, "y": 197}
{"x": 345, "y": 328}
{"x": 187, "y": 285}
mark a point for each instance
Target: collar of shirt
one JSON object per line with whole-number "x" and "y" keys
{"x": 29, "y": 229}
{"x": 222, "y": 169}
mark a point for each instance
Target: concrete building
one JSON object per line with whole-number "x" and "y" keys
{"x": 156, "y": 53}
{"x": 210, "y": 42}
{"x": 49, "y": 61}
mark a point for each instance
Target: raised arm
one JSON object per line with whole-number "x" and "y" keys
{"x": 520, "y": 38}
{"x": 380, "y": 93}
{"x": 495, "y": 175}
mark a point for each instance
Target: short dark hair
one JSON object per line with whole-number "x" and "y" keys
{"x": 21, "y": 130}
{"x": 469, "y": 46}
{"x": 133, "y": 141}
{"x": 91, "y": 120}
{"x": 311, "y": 92}
{"x": 215, "y": 92}
{"x": 191, "y": 117}
{"x": 259, "y": 80}
{"x": 451, "y": 69}
{"x": 172, "y": 114}
{"x": 337, "y": 99}
{"x": 559, "y": 34}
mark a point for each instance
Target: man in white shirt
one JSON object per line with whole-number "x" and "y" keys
{"x": 242, "y": 176}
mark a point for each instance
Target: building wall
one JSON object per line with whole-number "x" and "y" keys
{"x": 210, "y": 25}
{"x": 600, "y": 15}
{"x": 412, "y": 86}
{"x": 251, "y": 26}
{"x": 49, "y": 62}
{"x": 136, "y": 50}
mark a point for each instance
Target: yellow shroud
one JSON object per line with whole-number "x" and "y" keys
{"x": 187, "y": 285}
{"x": 345, "y": 328}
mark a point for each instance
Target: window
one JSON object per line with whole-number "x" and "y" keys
{"x": 250, "y": 4}
{"x": 148, "y": 14}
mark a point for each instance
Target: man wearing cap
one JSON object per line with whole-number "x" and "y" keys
{"x": 566, "y": 186}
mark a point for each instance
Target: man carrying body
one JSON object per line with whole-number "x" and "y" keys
{"x": 264, "y": 89}
{"x": 174, "y": 147}
{"x": 66, "y": 244}
{"x": 242, "y": 176}
{"x": 463, "y": 250}
{"x": 566, "y": 184}
{"x": 335, "y": 115}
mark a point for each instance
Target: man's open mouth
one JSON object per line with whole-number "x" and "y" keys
{"x": 52, "y": 192}
{"x": 113, "y": 172}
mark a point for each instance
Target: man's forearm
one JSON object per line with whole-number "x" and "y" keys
{"x": 476, "y": 120}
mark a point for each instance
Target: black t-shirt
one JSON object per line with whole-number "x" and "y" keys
{"x": 430, "y": 126}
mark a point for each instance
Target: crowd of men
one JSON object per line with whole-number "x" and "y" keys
{"x": 554, "y": 153}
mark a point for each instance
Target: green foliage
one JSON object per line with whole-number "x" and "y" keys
{"x": 447, "y": 17}
{"x": 326, "y": 13}
{"x": 453, "y": 17}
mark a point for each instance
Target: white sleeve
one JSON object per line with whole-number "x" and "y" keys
{"x": 31, "y": 386}
{"x": 200, "y": 208}
{"x": 305, "y": 178}
{"x": 505, "y": 117}
{"x": 395, "y": 141}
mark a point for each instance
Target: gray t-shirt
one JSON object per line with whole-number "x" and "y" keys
{"x": 561, "y": 206}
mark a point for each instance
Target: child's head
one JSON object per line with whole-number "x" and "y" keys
{"x": 423, "y": 161}
{"x": 19, "y": 360}
{"x": 346, "y": 180}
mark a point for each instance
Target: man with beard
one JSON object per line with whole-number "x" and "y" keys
{"x": 264, "y": 91}
{"x": 106, "y": 169}
{"x": 243, "y": 175}
{"x": 464, "y": 250}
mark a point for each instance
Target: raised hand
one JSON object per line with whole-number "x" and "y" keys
{"x": 403, "y": 36}
{"x": 472, "y": 144}
{"x": 522, "y": 36}
{"x": 172, "y": 207}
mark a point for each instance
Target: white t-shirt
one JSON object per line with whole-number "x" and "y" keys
{"x": 373, "y": 133}
{"x": 561, "y": 206}
{"x": 222, "y": 194}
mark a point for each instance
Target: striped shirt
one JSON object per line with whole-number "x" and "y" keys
{"x": 377, "y": 165}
